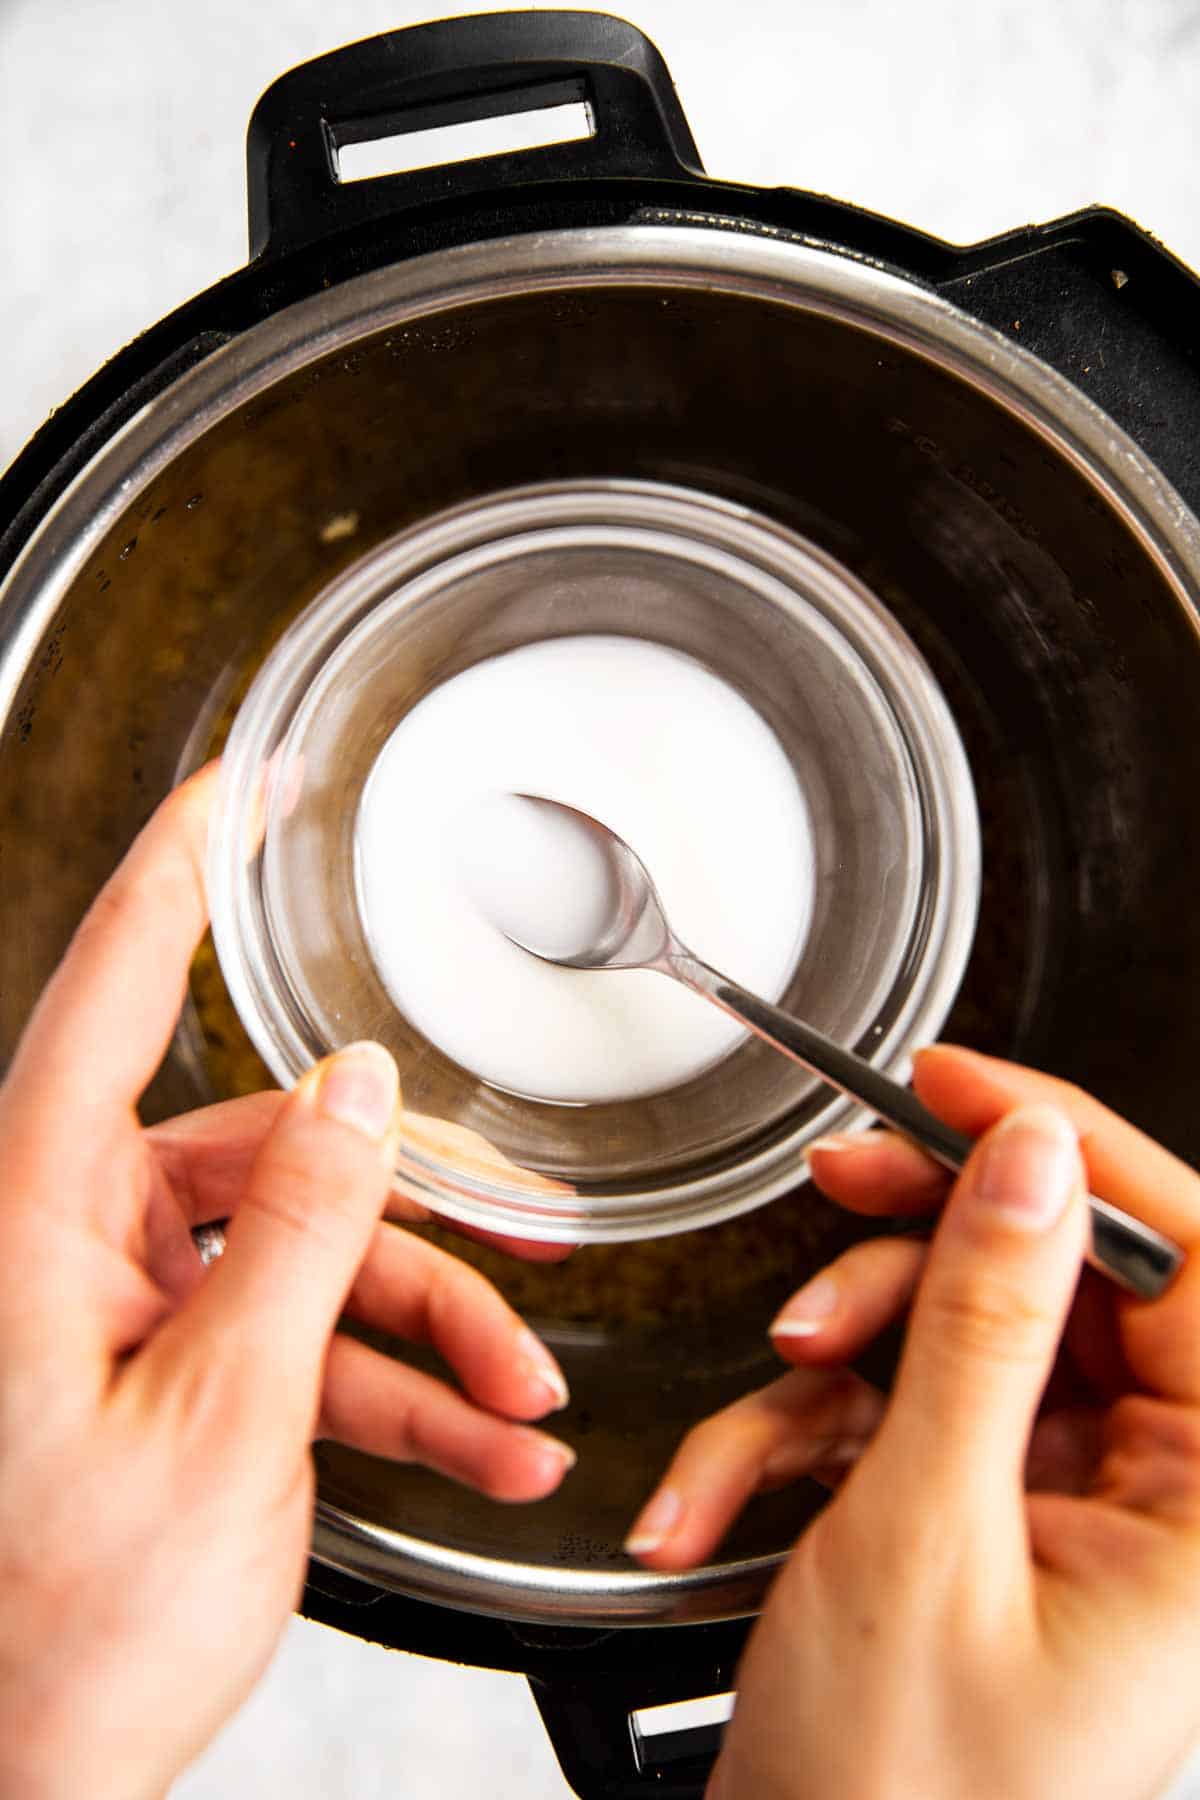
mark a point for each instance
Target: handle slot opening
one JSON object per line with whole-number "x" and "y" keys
{"x": 680, "y": 1730}
{"x": 434, "y": 136}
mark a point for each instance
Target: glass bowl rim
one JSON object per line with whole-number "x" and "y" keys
{"x": 738, "y": 1183}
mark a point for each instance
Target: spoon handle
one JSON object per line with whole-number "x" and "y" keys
{"x": 1134, "y": 1255}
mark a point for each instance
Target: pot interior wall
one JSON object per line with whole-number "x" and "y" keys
{"x": 1070, "y": 667}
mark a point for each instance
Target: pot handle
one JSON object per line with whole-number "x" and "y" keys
{"x": 457, "y": 72}
{"x": 621, "y": 1738}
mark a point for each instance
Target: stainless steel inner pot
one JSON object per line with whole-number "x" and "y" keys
{"x": 1047, "y": 573}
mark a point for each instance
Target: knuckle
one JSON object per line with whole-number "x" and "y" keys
{"x": 302, "y": 1191}
{"x": 208, "y": 1403}
{"x": 987, "y": 1319}
{"x": 111, "y": 903}
{"x": 860, "y": 1410}
{"x": 433, "y": 1307}
{"x": 292, "y": 1196}
{"x": 496, "y": 1481}
{"x": 1069, "y": 1093}
{"x": 1140, "y": 1422}
{"x": 104, "y": 918}
{"x": 724, "y": 1432}
{"x": 399, "y": 1436}
{"x": 412, "y": 1433}
{"x": 453, "y": 1291}
{"x": 742, "y": 1436}
{"x": 501, "y": 1470}
{"x": 156, "y": 885}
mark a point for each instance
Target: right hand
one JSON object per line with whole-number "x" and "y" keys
{"x": 1003, "y": 1597}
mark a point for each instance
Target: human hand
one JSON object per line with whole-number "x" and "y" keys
{"x": 157, "y": 1485}
{"x": 1003, "y": 1597}
{"x": 212, "y": 1150}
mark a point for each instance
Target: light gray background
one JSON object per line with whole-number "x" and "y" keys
{"x": 121, "y": 195}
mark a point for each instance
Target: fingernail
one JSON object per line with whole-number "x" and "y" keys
{"x": 835, "y": 1142}
{"x": 562, "y": 1453}
{"x": 955, "y": 1052}
{"x": 1028, "y": 1167}
{"x": 655, "y": 1523}
{"x": 359, "y": 1087}
{"x": 540, "y": 1368}
{"x": 808, "y": 1311}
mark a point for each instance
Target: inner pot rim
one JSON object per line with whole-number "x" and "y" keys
{"x": 810, "y": 275}
{"x": 538, "y": 1593}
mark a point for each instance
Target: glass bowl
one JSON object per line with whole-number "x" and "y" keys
{"x": 873, "y": 746}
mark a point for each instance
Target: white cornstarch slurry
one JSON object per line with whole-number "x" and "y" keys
{"x": 667, "y": 755}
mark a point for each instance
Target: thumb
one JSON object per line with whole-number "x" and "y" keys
{"x": 314, "y": 1195}
{"x": 990, "y": 1310}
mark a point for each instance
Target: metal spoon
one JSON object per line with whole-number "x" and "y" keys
{"x": 635, "y": 934}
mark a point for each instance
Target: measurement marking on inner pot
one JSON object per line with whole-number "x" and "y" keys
{"x": 663, "y": 750}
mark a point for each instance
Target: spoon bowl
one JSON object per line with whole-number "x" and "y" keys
{"x": 629, "y": 930}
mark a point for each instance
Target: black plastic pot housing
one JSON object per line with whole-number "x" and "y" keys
{"x": 1091, "y": 295}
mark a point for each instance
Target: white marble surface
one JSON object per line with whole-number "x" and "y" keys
{"x": 121, "y": 130}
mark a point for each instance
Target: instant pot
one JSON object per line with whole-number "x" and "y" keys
{"x": 999, "y": 444}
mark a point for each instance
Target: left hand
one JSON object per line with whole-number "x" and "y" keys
{"x": 210, "y": 1152}
{"x": 156, "y": 1487}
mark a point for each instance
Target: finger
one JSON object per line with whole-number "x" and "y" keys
{"x": 971, "y": 1092}
{"x": 470, "y": 1154}
{"x": 314, "y": 1197}
{"x": 524, "y": 1249}
{"x": 1064, "y": 1451}
{"x": 374, "y": 1404}
{"x": 988, "y": 1316}
{"x": 1161, "y": 1339}
{"x": 1151, "y": 1459}
{"x": 207, "y": 1156}
{"x": 163, "y": 1243}
{"x": 835, "y": 1316}
{"x": 105, "y": 1019}
{"x": 413, "y": 1290}
{"x": 1092, "y": 1340}
{"x": 878, "y": 1173}
{"x": 808, "y": 1419}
